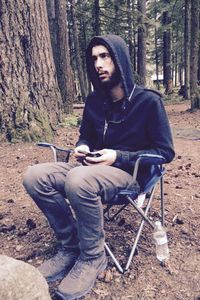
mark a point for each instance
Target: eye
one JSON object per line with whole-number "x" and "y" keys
{"x": 104, "y": 55}
{"x": 94, "y": 58}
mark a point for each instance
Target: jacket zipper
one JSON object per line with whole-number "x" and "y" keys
{"x": 106, "y": 123}
{"x": 105, "y": 129}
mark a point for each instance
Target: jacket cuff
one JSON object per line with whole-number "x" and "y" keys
{"x": 119, "y": 156}
{"x": 122, "y": 158}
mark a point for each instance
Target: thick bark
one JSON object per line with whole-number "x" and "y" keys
{"x": 141, "y": 63}
{"x": 194, "y": 51}
{"x": 30, "y": 104}
{"x": 64, "y": 70}
{"x": 57, "y": 16}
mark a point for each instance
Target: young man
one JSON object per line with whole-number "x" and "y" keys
{"x": 120, "y": 121}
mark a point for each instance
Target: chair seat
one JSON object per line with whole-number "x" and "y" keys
{"x": 121, "y": 199}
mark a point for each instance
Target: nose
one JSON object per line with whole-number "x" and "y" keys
{"x": 98, "y": 63}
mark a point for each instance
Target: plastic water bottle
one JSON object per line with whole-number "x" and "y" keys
{"x": 140, "y": 200}
{"x": 160, "y": 237}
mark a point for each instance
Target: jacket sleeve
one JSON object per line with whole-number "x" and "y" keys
{"x": 159, "y": 136}
{"x": 87, "y": 134}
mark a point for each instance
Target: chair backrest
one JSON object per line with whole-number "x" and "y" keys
{"x": 62, "y": 156}
{"x": 155, "y": 175}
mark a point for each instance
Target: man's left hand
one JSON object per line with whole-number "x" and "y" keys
{"x": 108, "y": 157}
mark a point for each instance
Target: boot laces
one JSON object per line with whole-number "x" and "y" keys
{"x": 79, "y": 267}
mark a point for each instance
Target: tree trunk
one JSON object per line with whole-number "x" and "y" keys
{"x": 194, "y": 51}
{"x": 157, "y": 61}
{"x": 130, "y": 28}
{"x": 180, "y": 68}
{"x": 30, "y": 99}
{"x": 77, "y": 50}
{"x": 84, "y": 46}
{"x": 141, "y": 63}
{"x": 187, "y": 50}
{"x": 156, "y": 47}
{"x": 60, "y": 44}
{"x": 64, "y": 70}
{"x": 180, "y": 75}
{"x": 175, "y": 68}
{"x": 198, "y": 75}
{"x": 117, "y": 16}
{"x": 167, "y": 76}
{"x": 96, "y": 17}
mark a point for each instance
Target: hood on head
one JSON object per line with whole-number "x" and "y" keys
{"x": 120, "y": 54}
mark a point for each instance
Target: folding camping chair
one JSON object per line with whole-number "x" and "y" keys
{"x": 129, "y": 196}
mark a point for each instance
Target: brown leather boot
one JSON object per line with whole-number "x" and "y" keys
{"x": 57, "y": 267}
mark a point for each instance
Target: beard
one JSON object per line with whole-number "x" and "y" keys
{"x": 112, "y": 81}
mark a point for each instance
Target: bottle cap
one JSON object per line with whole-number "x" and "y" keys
{"x": 157, "y": 223}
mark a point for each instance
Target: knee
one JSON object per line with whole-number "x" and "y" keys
{"x": 78, "y": 183}
{"x": 31, "y": 177}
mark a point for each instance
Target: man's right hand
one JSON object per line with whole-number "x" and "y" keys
{"x": 79, "y": 151}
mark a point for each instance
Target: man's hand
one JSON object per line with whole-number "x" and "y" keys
{"x": 107, "y": 157}
{"x": 80, "y": 151}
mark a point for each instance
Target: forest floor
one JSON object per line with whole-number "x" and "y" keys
{"x": 25, "y": 234}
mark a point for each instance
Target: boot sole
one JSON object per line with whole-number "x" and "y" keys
{"x": 78, "y": 295}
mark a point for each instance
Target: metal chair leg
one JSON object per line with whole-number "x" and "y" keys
{"x": 114, "y": 258}
{"x": 162, "y": 201}
{"x": 144, "y": 218}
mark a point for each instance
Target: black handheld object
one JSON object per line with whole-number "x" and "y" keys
{"x": 90, "y": 154}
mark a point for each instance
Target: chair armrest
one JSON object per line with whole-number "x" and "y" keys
{"x": 151, "y": 159}
{"x": 147, "y": 159}
{"x": 43, "y": 144}
{"x": 55, "y": 149}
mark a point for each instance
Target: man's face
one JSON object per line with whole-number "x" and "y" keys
{"x": 105, "y": 67}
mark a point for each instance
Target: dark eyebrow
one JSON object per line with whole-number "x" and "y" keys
{"x": 102, "y": 54}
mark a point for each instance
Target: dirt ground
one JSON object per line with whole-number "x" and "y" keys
{"x": 25, "y": 234}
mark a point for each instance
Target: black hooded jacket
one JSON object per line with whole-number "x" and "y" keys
{"x": 136, "y": 126}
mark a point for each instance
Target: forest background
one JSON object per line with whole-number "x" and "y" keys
{"x": 43, "y": 79}
{"x": 42, "y": 55}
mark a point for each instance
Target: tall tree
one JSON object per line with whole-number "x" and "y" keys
{"x": 57, "y": 15}
{"x": 194, "y": 52}
{"x": 155, "y": 10}
{"x": 30, "y": 104}
{"x": 130, "y": 29}
{"x": 96, "y": 17}
{"x": 77, "y": 50}
{"x": 167, "y": 74}
{"x": 187, "y": 50}
{"x": 141, "y": 62}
